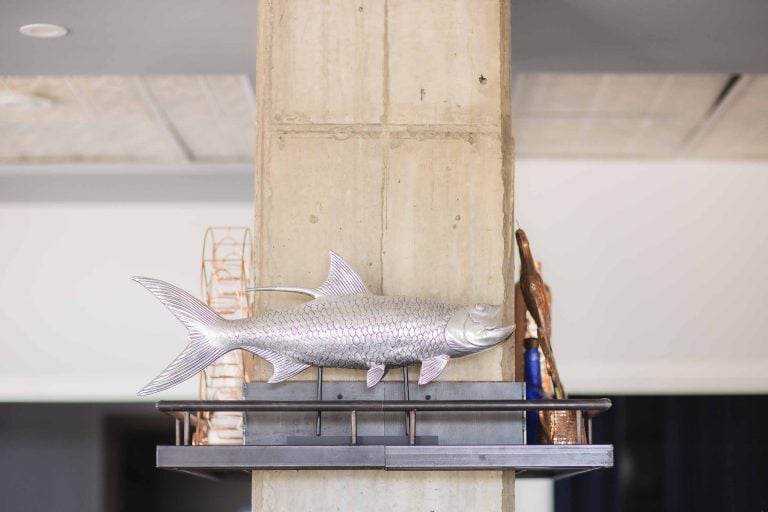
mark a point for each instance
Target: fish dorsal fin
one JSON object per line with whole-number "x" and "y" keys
{"x": 341, "y": 280}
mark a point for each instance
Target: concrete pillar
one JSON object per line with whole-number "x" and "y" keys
{"x": 383, "y": 133}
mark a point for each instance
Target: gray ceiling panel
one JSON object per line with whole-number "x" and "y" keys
{"x": 207, "y": 37}
{"x": 643, "y": 36}
{"x": 131, "y": 37}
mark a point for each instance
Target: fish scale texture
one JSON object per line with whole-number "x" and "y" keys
{"x": 353, "y": 331}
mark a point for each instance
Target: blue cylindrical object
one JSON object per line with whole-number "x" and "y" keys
{"x": 533, "y": 388}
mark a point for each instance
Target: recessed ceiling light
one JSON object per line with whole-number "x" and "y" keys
{"x": 24, "y": 102}
{"x": 43, "y": 30}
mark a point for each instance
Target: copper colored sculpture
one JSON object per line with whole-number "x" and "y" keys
{"x": 539, "y": 304}
{"x": 223, "y": 280}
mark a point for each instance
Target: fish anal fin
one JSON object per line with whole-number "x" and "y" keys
{"x": 432, "y": 368}
{"x": 283, "y": 368}
{"x": 375, "y": 374}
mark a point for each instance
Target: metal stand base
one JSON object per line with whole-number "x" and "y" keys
{"x": 479, "y": 427}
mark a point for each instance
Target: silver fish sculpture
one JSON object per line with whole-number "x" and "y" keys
{"x": 343, "y": 326}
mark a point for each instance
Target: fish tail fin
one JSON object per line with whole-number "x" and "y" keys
{"x": 204, "y": 326}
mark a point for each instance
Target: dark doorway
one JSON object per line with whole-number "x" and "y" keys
{"x": 135, "y": 484}
{"x": 677, "y": 453}
{"x": 72, "y": 457}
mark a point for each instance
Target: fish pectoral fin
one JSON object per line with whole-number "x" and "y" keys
{"x": 375, "y": 374}
{"x": 283, "y": 368}
{"x": 341, "y": 280}
{"x": 432, "y": 368}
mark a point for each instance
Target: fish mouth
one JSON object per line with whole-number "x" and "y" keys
{"x": 472, "y": 329}
{"x": 489, "y": 336}
{"x": 503, "y": 332}
{"x": 495, "y": 335}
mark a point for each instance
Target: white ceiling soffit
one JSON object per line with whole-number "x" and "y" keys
{"x": 193, "y": 119}
{"x": 600, "y": 115}
{"x": 641, "y": 116}
{"x": 129, "y": 119}
{"x": 739, "y": 128}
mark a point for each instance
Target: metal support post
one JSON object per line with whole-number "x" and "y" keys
{"x": 318, "y": 420}
{"x": 353, "y": 418}
{"x": 579, "y": 427}
{"x": 186, "y": 428}
{"x": 406, "y": 394}
{"x": 412, "y": 427}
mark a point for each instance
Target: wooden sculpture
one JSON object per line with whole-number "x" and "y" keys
{"x": 538, "y": 301}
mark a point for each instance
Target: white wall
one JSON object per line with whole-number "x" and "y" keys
{"x": 73, "y": 326}
{"x": 534, "y": 494}
{"x": 659, "y": 272}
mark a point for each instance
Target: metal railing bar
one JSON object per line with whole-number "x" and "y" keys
{"x": 590, "y": 406}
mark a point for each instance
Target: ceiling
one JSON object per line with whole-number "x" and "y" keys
{"x": 641, "y": 116}
{"x": 175, "y": 118}
{"x": 205, "y": 37}
{"x": 169, "y": 82}
{"x": 131, "y": 38}
{"x": 640, "y": 36}
{"x": 193, "y": 119}
{"x": 739, "y": 126}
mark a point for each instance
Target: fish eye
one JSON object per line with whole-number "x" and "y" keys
{"x": 480, "y": 307}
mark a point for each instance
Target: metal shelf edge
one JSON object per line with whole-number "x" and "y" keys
{"x": 539, "y": 460}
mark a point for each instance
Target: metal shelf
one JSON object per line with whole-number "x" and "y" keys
{"x": 555, "y": 461}
{"x": 364, "y": 429}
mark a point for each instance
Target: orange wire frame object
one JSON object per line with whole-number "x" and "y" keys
{"x": 224, "y": 277}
